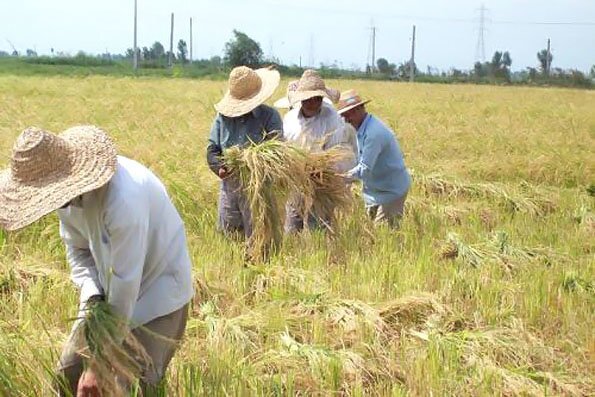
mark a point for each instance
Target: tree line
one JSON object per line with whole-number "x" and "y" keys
{"x": 243, "y": 50}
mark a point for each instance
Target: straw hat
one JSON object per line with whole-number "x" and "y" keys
{"x": 247, "y": 89}
{"x": 47, "y": 171}
{"x": 349, "y": 100}
{"x": 283, "y": 103}
{"x": 309, "y": 86}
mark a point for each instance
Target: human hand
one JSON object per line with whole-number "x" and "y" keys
{"x": 223, "y": 173}
{"x": 88, "y": 386}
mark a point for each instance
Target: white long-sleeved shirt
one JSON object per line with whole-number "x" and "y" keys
{"x": 127, "y": 241}
{"x": 321, "y": 132}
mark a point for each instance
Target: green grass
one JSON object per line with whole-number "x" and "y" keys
{"x": 500, "y": 173}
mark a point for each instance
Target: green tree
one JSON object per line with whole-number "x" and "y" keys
{"x": 385, "y": 67}
{"x": 242, "y": 50}
{"x": 182, "y": 51}
{"x": 592, "y": 73}
{"x": 500, "y": 65}
{"x": 545, "y": 60}
{"x": 157, "y": 51}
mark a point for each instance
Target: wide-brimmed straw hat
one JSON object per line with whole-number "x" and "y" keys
{"x": 247, "y": 89}
{"x": 349, "y": 100}
{"x": 309, "y": 86}
{"x": 283, "y": 103}
{"x": 47, "y": 171}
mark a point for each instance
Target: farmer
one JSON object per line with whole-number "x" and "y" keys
{"x": 125, "y": 241}
{"x": 381, "y": 166}
{"x": 242, "y": 119}
{"x": 314, "y": 124}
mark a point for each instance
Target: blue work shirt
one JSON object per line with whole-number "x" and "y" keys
{"x": 381, "y": 166}
{"x": 253, "y": 127}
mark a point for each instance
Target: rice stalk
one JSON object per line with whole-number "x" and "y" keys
{"x": 269, "y": 172}
{"x": 266, "y": 172}
{"x": 110, "y": 350}
{"x": 534, "y": 203}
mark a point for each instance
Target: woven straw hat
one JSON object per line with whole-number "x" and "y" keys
{"x": 247, "y": 89}
{"x": 349, "y": 100}
{"x": 283, "y": 103}
{"x": 309, "y": 86}
{"x": 47, "y": 171}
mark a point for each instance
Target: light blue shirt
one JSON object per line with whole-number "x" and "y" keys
{"x": 381, "y": 166}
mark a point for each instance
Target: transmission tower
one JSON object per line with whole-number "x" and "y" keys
{"x": 480, "y": 51}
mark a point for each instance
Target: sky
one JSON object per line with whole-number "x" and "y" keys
{"x": 321, "y": 31}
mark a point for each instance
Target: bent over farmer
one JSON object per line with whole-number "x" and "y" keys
{"x": 381, "y": 166}
{"x": 242, "y": 119}
{"x": 125, "y": 241}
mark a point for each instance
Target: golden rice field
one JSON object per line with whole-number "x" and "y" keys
{"x": 488, "y": 289}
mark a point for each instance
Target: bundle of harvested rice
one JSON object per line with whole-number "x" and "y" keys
{"x": 266, "y": 172}
{"x": 327, "y": 191}
{"x": 111, "y": 351}
{"x": 269, "y": 172}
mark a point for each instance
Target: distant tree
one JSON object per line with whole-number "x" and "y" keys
{"x": 157, "y": 51}
{"x": 404, "y": 70}
{"x": 532, "y": 73}
{"x": 129, "y": 53}
{"x": 543, "y": 58}
{"x": 182, "y": 51}
{"x": 4, "y": 54}
{"x": 592, "y": 73}
{"x": 15, "y": 53}
{"x": 146, "y": 53}
{"x": 215, "y": 61}
{"x": 500, "y": 65}
{"x": 31, "y": 53}
{"x": 242, "y": 50}
{"x": 385, "y": 67}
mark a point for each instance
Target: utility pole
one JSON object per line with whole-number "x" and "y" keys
{"x": 135, "y": 49}
{"x": 480, "y": 52}
{"x": 412, "y": 61}
{"x": 548, "y": 59}
{"x": 190, "y": 40}
{"x": 171, "y": 43}
{"x": 373, "y": 48}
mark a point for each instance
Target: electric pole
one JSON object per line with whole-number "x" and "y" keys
{"x": 480, "y": 52}
{"x": 548, "y": 59}
{"x": 190, "y": 40}
{"x": 171, "y": 43}
{"x": 412, "y": 61}
{"x": 135, "y": 49}
{"x": 373, "y": 48}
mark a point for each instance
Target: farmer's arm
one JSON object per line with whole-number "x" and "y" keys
{"x": 127, "y": 225}
{"x": 370, "y": 152}
{"x": 214, "y": 150}
{"x": 83, "y": 269}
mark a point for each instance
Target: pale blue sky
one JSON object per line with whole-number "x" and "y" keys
{"x": 447, "y": 30}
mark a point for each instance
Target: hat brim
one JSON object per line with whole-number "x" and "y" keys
{"x": 299, "y": 96}
{"x": 93, "y": 164}
{"x": 353, "y": 106}
{"x": 233, "y": 107}
{"x": 283, "y": 103}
